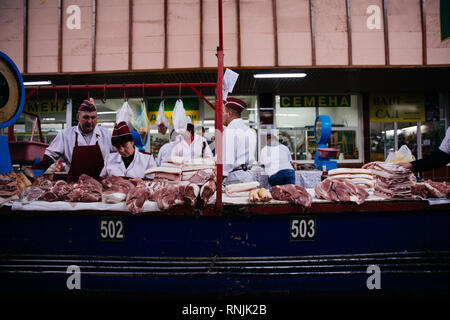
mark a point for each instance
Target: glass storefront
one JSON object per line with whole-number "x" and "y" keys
{"x": 421, "y": 137}
{"x": 295, "y": 116}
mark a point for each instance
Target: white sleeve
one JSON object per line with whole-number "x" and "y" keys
{"x": 445, "y": 144}
{"x": 104, "y": 172}
{"x": 252, "y": 146}
{"x": 56, "y": 147}
{"x": 288, "y": 154}
{"x": 228, "y": 151}
{"x": 208, "y": 152}
{"x": 150, "y": 164}
{"x": 262, "y": 156}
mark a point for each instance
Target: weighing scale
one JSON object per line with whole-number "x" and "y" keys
{"x": 12, "y": 100}
{"x": 322, "y": 133}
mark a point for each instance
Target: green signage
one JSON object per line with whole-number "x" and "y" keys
{"x": 304, "y": 101}
{"x": 444, "y": 9}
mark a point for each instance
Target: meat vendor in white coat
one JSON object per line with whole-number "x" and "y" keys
{"x": 83, "y": 147}
{"x": 239, "y": 144}
{"x": 127, "y": 161}
{"x": 191, "y": 145}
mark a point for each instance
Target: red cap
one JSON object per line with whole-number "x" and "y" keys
{"x": 87, "y": 106}
{"x": 235, "y": 104}
{"x": 121, "y": 129}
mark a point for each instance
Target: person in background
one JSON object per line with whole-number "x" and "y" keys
{"x": 277, "y": 161}
{"x": 83, "y": 147}
{"x": 436, "y": 159}
{"x": 127, "y": 161}
{"x": 191, "y": 145}
{"x": 201, "y": 132}
{"x": 239, "y": 144}
{"x": 165, "y": 149}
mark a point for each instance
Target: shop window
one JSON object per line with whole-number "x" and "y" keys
{"x": 295, "y": 116}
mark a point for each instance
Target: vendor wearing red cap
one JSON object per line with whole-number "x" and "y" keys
{"x": 82, "y": 147}
{"x": 127, "y": 161}
{"x": 239, "y": 144}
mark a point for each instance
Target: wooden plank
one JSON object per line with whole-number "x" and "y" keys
{"x": 60, "y": 36}
{"x": 275, "y": 31}
{"x": 25, "y": 36}
{"x": 386, "y": 34}
{"x": 311, "y": 22}
{"x": 424, "y": 31}
{"x": 94, "y": 33}
{"x": 130, "y": 34}
{"x": 238, "y": 20}
{"x": 349, "y": 33}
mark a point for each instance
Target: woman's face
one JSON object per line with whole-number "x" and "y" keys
{"x": 126, "y": 149}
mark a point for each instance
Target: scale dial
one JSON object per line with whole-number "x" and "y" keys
{"x": 12, "y": 92}
{"x": 322, "y": 129}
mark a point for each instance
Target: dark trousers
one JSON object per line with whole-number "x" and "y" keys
{"x": 286, "y": 176}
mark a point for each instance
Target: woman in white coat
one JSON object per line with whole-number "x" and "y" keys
{"x": 191, "y": 145}
{"x": 127, "y": 161}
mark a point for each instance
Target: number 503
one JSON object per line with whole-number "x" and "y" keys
{"x": 302, "y": 228}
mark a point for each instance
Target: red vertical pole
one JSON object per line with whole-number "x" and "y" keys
{"x": 218, "y": 112}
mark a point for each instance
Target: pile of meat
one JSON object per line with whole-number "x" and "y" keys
{"x": 86, "y": 189}
{"x": 292, "y": 193}
{"x": 391, "y": 180}
{"x": 8, "y": 189}
{"x": 340, "y": 190}
{"x": 360, "y": 177}
{"x": 431, "y": 189}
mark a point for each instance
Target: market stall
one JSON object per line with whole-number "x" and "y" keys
{"x": 183, "y": 232}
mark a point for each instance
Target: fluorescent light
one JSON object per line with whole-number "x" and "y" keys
{"x": 107, "y": 112}
{"x": 280, "y": 75}
{"x": 37, "y": 83}
{"x": 48, "y": 119}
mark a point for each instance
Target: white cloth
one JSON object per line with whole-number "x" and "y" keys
{"x": 445, "y": 144}
{"x": 114, "y": 165}
{"x": 64, "y": 142}
{"x": 182, "y": 149}
{"x": 275, "y": 157}
{"x": 239, "y": 145}
{"x": 164, "y": 152}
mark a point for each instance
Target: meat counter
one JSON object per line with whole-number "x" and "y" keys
{"x": 246, "y": 249}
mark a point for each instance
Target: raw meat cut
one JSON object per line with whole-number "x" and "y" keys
{"x": 207, "y": 191}
{"x": 431, "y": 189}
{"x": 340, "y": 190}
{"x": 136, "y": 198}
{"x": 292, "y": 193}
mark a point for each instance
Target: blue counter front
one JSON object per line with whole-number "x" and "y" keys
{"x": 244, "y": 249}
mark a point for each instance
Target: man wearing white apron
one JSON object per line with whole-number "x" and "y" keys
{"x": 239, "y": 144}
{"x": 82, "y": 147}
{"x": 128, "y": 161}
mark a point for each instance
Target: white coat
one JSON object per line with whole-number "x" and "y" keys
{"x": 275, "y": 157}
{"x": 114, "y": 165}
{"x": 239, "y": 145}
{"x": 164, "y": 152}
{"x": 194, "y": 150}
{"x": 62, "y": 145}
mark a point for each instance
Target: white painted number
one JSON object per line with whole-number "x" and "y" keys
{"x": 294, "y": 228}
{"x": 312, "y": 228}
{"x": 111, "y": 229}
{"x": 303, "y": 229}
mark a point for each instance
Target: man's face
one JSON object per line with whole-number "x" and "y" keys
{"x": 126, "y": 149}
{"x": 225, "y": 117}
{"x": 87, "y": 121}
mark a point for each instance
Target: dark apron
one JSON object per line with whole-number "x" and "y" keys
{"x": 85, "y": 159}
